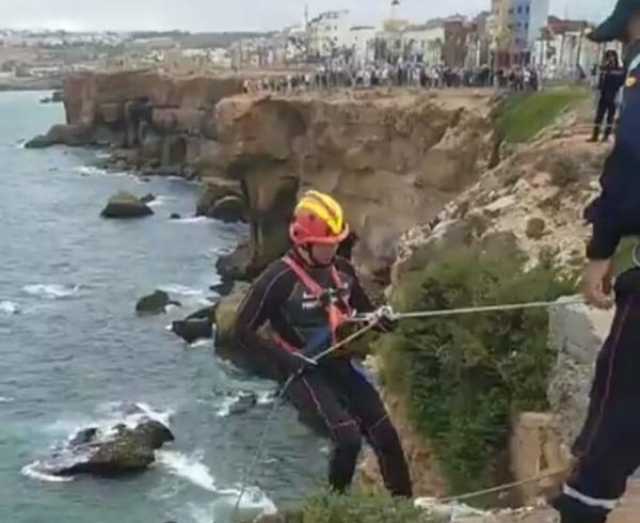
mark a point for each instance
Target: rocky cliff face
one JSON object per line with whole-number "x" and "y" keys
{"x": 392, "y": 162}
{"x": 534, "y": 198}
{"x": 92, "y": 99}
{"x": 537, "y": 196}
{"x": 150, "y": 120}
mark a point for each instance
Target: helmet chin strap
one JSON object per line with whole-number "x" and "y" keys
{"x": 308, "y": 250}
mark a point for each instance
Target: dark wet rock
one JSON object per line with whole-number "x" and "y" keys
{"x": 128, "y": 450}
{"x": 192, "y": 330}
{"x": 214, "y": 189}
{"x": 155, "y": 303}
{"x": 237, "y": 265}
{"x": 175, "y": 216}
{"x": 84, "y": 436}
{"x": 120, "y": 450}
{"x": 224, "y": 288}
{"x": 71, "y": 135}
{"x": 244, "y": 403}
{"x": 230, "y": 209}
{"x": 226, "y": 313}
{"x": 148, "y": 198}
{"x": 166, "y": 170}
{"x": 206, "y": 313}
{"x": 56, "y": 97}
{"x": 125, "y": 205}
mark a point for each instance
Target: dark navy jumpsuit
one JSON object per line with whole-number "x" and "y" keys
{"x": 608, "y": 449}
{"x": 335, "y": 395}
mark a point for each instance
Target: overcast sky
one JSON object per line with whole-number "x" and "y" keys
{"x": 229, "y": 15}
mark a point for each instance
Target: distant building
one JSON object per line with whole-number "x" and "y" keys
{"x": 515, "y": 27}
{"x": 479, "y": 41}
{"x": 425, "y": 43}
{"x": 362, "y": 44}
{"x": 562, "y": 51}
{"x": 295, "y": 43}
{"x": 154, "y": 43}
{"x": 329, "y": 33}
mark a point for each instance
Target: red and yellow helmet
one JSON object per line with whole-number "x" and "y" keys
{"x": 318, "y": 218}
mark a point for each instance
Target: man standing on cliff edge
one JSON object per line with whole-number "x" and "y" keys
{"x": 608, "y": 449}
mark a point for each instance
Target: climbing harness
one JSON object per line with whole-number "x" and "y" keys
{"x": 329, "y": 298}
{"x": 370, "y": 321}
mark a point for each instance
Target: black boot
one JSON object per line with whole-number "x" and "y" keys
{"x": 595, "y": 135}
{"x": 572, "y": 511}
{"x": 607, "y": 133}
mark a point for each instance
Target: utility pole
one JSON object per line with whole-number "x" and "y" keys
{"x": 307, "y": 33}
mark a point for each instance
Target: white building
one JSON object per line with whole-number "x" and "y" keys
{"x": 329, "y": 33}
{"x": 424, "y": 43}
{"x": 564, "y": 52}
{"x": 362, "y": 42}
{"x": 295, "y": 43}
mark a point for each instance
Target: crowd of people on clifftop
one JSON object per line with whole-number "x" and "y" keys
{"x": 401, "y": 75}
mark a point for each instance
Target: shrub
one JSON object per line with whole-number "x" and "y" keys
{"x": 463, "y": 376}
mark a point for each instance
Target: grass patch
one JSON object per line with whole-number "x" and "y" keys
{"x": 463, "y": 377}
{"x": 523, "y": 116}
{"x": 358, "y": 508}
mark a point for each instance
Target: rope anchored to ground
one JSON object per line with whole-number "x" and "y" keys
{"x": 370, "y": 321}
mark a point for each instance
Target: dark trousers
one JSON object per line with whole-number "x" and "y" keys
{"x": 340, "y": 398}
{"x": 606, "y": 107}
{"x": 608, "y": 448}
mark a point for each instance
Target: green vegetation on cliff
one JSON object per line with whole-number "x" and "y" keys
{"x": 522, "y": 116}
{"x": 355, "y": 508}
{"x": 464, "y": 376}
{"x": 361, "y": 509}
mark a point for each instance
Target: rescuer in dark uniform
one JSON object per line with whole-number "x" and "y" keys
{"x": 306, "y": 297}
{"x": 612, "y": 77}
{"x": 608, "y": 449}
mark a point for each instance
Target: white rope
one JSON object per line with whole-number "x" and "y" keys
{"x": 491, "y": 308}
{"x": 388, "y": 313}
{"x": 501, "y": 488}
{"x": 371, "y": 321}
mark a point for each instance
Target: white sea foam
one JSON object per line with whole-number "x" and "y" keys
{"x": 182, "y": 290}
{"x": 266, "y": 398}
{"x": 186, "y": 467}
{"x": 6, "y": 399}
{"x": 224, "y": 409}
{"x": 91, "y": 170}
{"x": 159, "y": 201}
{"x": 32, "y": 471}
{"x": 107, "y": 416}
{"x": 52, "y": 291}
{"x": 9, "y": 308}
{"x": 253, "y": 499}
{"x": 195, "y": 219}
{"x": 131, "y": 414}
{"x": 200, "y": 344}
